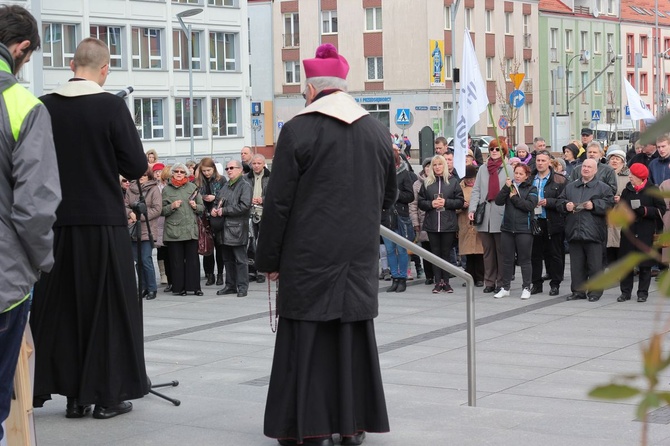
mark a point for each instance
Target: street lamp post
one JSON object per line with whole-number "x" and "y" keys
{"x": 187, "y": 32}
{"x": 661, "y": 68}
{"x": 567, "y": 81}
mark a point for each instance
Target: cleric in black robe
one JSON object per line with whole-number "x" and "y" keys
{"x": 86, "y": 317}
{"x": 333, "y": 172}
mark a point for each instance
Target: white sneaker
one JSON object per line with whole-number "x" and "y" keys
{"x": 502, "y": 293}
{"x": 525, "y": 294}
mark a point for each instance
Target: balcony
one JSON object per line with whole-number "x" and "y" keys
{"x": 291, "y": 40}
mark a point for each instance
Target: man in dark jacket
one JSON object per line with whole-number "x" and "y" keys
{"x": 258, "y": 178}
{"x": 659, "y": 168}
{"x": 235, "y": 198}
{"x": 585, "y": 201}
{"x": 333, "y": 172}
{"x": 605, "y": 173}
{"x": 648, "y": 154}
{"x": 548, "y": 246}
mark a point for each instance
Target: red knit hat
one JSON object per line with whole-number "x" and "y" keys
{"x": 326, "y": 63}
{"x": 158, "y": 166}
{"x": 640, "y": 171}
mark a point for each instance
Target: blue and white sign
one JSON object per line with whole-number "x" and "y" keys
{"x": 420, "y": 107}
{"x": 255, "y": 123}
{"x": 503, "y": 122}
{"x": 280, "y": 124}
{"x": 626, "y": 111}
{"x": 402, "y": 116}
{"x": 595, "y": 115}
{"x": 255, "y": 109}
{"x": 517, "y": 98}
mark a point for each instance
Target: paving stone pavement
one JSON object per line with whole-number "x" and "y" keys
{"x": 536, "y": 361}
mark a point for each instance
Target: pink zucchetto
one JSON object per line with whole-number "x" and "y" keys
{"x": 326, "y": 63}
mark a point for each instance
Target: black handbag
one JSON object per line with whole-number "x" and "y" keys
{"x": 479, "y": 213}
{"x": 535, "y": 227}
{"x": 135, "y": 231}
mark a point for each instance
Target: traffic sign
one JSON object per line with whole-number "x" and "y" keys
{"x": 255, "y": 109}
{"x": 517, "y": 98}
{"x": 256, "y": 123}
{"x": 402, "y": 116}
{"x": 503, "y": 122}
{"x": 595, "y": 115}
{"x": 516, "y": 79}
{"x": 627, "y": 111}
{"x": 280, "y": 124}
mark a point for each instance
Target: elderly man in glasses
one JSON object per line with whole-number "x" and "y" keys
{"x": 233, "y": 203}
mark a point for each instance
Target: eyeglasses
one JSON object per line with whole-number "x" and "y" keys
{"x": 178, "y": 171}
{"x": 125, "y": 181}
{"x": 585, "y": 134}
{"x": 494, "y": 149}
{"x": 231, "y": 168}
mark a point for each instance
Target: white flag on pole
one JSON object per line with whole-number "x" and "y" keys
{"x": 638, "y": 109}
{"x": 472, "y": 101}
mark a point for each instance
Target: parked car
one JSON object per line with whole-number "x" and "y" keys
{"x": 482, "y": 140}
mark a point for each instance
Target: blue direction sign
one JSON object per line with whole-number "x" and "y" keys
{"x": 627, "y": 111}
{"x": 503, "y": 122}
{"x": 595, "y": 115}
{"x": 517, "y": 98}
{"x": 402, "y": 116}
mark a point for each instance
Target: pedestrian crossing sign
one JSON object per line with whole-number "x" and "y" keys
{"x": 402, "y": 116}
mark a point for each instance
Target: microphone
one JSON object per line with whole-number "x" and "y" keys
{"x": 125, "y": 92}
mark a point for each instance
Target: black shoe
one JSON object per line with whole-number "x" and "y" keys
{"x": 323, "y": 441}
{"x": 437, "y": 288}
{"x": 536, "y": 289}
{"x": 447, "y": 288}
{"x": 488, "y": 289}
{"x": 75, "y": 410}
{"x": 394, "y": 286}
{"x": 429, "y": 281}
{"x": 642, "y": 299}
{"x": 354, "y": 440}
{"x": 402, "y": 285}
{"x": 144, "y": 293}
{"x": 168, "y": 288}
{"x": 623, "y": 298}
{"x": 226, "y": 290}
{"x": 594, "y": 298}
{"x": 219, "y": 279}
{"x": 151, "y": 295}
{"x": 553, "y": 291}
{"x": 576, "y": 296}
{"x": 198, "y": 293}
{"x": 183, "y": 293}
{"x": 479, "y": 284}
{"x": 241, "y": 294}
{"x": 260, "y": 278}
{"x": 104, "y": 413}
{"x": 210, "y": 279}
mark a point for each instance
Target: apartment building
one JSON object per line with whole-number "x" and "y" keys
{"x": 149, "y": 51}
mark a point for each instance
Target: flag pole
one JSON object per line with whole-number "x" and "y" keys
{"x": 495, "y": 130}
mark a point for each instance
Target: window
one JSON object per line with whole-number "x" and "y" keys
{"x": 111, "y": 35}
{"x": 291, "y": 30}
{"x": 584, "y": 80}
{"x": 468, "y": 18}
{"x": 508, "y": 23}
{"x": 447, "y": 67}
{"x": 489, "y": 21}
{"x": 182, "y": 117}
{"x": 526, "y": 24}
{"x": 643, "y": 45}
{"x": 568, "y": 40}
{"x": 489, "y": 68}
{"x": 554, "y": 93}
{"x": 292, "y": 70}
{"x": 631, "y": 80}
{"x": 59, "y": 43}
{"x": 329, "y": 22}
{"x": 373, "y": 19}
{"x": 447, "y": 17}
{"x": 526, "y": 114}
{"x": 630, "y": 49}
{"x": 553, "y": 44}
{"x": 180, "y": 50}
{"x": 222, "y": 51}
{"x": 149, "y": 114}
{"x": 598, "y": 85}
{"x": 147, "y": 52}
{"x": 224, "y": 116}
{"x": 187, "y": 2}
{"x": 610, "y": 6}
{"x": 597, "y": 37}
{"x": 610, "y": 42}
{"x": 375, "y": 68}
{"x": 643, "y": 83}
{"x": 583, "y": 40}
{"x": 380, "y": 112}
{"x": 222, "y": 2}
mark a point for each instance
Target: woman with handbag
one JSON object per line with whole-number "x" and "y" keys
{"x": 519, "y": 196}
{"x": 648, "y": 210}
{"x": 181, "y": 206}
{"x": 469, "y": 242}
{"x": 440, "y": 196}
{"x": 397, "y": 219}
{"x": 417, "y": 216}
{"x": 152, "y": 198}
{"x": 490, "y": 178}
{"x": 209, "y": 183}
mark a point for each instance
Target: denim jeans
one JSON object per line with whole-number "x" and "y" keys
{"x": 148, "y": 272}
{"x": 12, "y": 325}
{"x": 398, "y": 259}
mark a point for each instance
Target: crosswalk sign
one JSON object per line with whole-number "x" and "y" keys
{"x": 402, "y": 116}
{"x": 595, "y": 115}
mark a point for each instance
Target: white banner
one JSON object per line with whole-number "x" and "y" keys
{"x": 638, "y": 109}
{"x": 472, "y": 101}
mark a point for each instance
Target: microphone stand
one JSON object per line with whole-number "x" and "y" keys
{"x": 140, "y": 209}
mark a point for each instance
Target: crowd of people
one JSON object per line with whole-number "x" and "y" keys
{"x": 529, "y": 208}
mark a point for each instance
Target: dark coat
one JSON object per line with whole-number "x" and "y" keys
{"x": 264, "y": 180}
{"x": 210, "y": 186}
{"x": 642, "y": 158}
{"x": 236, "y": 209}
{"x": 552, "y": 190}
{"x": 518, "y": 207}
{"x": 605, "y": 174}
{"x": 647, "y": 220}
{"x": 586, "y": 226}
{"x": 333, "y": 172}
{"x": 441, "y": 221}
{"x": 405, "y": 197}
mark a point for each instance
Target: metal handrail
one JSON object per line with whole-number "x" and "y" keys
{"x": 469, "y": 294}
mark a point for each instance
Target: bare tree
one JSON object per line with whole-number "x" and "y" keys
{"x": 504, "y": 88}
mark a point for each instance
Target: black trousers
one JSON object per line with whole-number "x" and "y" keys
{"x": 427, "y": 266}
{"x": 522, "y": 244}
{"x": 237, "y": 268}
{"x": 550, "y": 248}
{"x": 643, "y": 283}
{"x": 440, "y": 245}
{"x": 585, "y": 262}
{"x": 184, "y": 265}
{"x": 474, "y": 265}
{"x": 208, "y": 261}
{"x": 163, "y": 254}
{"x": 251, "y": 249}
